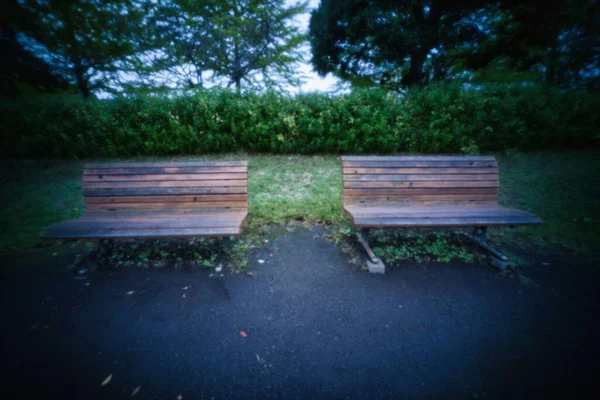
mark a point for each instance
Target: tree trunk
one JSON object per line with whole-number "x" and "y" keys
{"x": 415, "y": 75}
{"x": 82, "y": 82}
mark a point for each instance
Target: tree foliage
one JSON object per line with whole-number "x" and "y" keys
{"x": 251, "y": 42}
{"x": 404, "y": 43}
{"x": 87, "y": 41}
{"x": 20, "y": 69}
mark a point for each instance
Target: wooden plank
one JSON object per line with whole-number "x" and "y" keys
{"x": 166, "y": 199}
{"x": 423, "y": 197}
{"x": 143, "y": 233}
{"x": 419, "y": 158}
{"x": 375, "y": 193}
{"x": 414, "y": 164}
{"x": 164, "y": 177}
{"x": 458, "y": 212}
{"x": 423, "y": 170}
{"x": 426, "y": 184}
{"x": 164, "y": 184}
{"x": 155, "y": 223}
{"x": 445, "y": 222}
{"x": 164, "y": 170}
{"x": 196, "y": 204}
{"x": 167, "y": 164}
{"x": 418, "y": 178}
{"x": 164, "y": 191}
{"x": 141, "y": 215}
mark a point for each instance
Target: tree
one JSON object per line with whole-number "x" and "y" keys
{"x": 403, "y": 43}
{"x": 241, "y": 41}
{"x": 19, "y": 68}
{"x": 88, "y": 41}
{"x": 395, "y": 44}
{"x": 559, "y": 40}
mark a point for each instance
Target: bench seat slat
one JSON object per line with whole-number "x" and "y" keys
{"x": 163, "y": 170}
{"x": 163, "y": 177}
{"x": 165, "y": 184}
{"x": 145, "y": 233}
{"x": 413, "y": 164}
{"x": 166, "y": 199}
{"x": 424, "y": 171}
{"x": 167, "y": 164}
{"x": 109, "y": 224}
{"x": 419, "y": 178}
{"x": 164, "y": 191}
{"x": 445, "y": 222}
{"x": 173, "y": 205}
{"x": 419, "y": 158}
{"x": 421, "y": 184}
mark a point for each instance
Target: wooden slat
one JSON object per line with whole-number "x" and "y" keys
{"x": 422, "y": 197}
{"x": 419, "y": 178}
{"x": 417, "y": 191}
{"x": 444, "y": 222}
{"x": 166, "y": 199}
{"x": 164, "y": 184}
{"x": 426, "y": 184}
{"x": 144, "y": 233}
{"x": 167, "y": 164}
{"x": 173, "y": 205}
{"x": 424, "y": 170}
{"x": 142, "y": 215}
{"x": 164, "y": 170}
{"x": 419, "y": 158}
{"x": 458, "y": 212}
{"x": 164, "y": 191}
{"x": 164, "y": 177}
{"x": 414, "y": 164}
{"x": 151, "y": 223}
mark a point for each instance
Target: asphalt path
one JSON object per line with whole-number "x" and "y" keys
{"x": 305, "y": 325}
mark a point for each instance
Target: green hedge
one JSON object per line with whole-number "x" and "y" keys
{"x": 438, "y": 119}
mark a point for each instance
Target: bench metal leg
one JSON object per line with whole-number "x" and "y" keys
{"x": 479, "y": 237}
{"x": 374, "y": 264}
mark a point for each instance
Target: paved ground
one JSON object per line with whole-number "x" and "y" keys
{"x": 316, "y": 328}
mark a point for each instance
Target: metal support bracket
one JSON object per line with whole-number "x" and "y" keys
{"x": 479, "y": 237}
{"x": 374, "y": 264}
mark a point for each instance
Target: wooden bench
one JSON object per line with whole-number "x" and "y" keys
{"x": 157, "y": 200}
{"x": 427, "y": 192}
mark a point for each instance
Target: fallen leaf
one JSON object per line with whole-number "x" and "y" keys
{"x": 136, "y": 390}
{"x": 186, "y": 287}
{"x": 179, "y": 397}
{"x": 250, "y": 273}
{"x": 243, "y": 333}
{"x": 107, "y": 380}
{"x": 261, "y": 261}
{"x": 77, "y": 306}
{"x": 183, "y": 295}
{"x": 130, "y": 292}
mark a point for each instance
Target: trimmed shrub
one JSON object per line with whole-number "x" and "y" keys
{"x": 437, "y": 119}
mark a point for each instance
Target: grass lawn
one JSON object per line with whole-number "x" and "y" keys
{"x": 561, "y": 187}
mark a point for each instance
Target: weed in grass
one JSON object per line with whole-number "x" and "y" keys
{"x": 419, "y": 246}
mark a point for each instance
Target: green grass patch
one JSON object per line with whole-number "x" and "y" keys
{"x": 561, "y": 187}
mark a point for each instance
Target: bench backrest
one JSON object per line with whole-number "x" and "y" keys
{"x": 217, "y": 184}
{"x": 418, "y": 179}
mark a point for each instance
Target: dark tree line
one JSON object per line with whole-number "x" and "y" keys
{"x": 399, "y": 44}
{"x": 88, "y": 46}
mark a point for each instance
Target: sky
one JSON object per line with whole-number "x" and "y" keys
{"x": 312, "y": 80}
